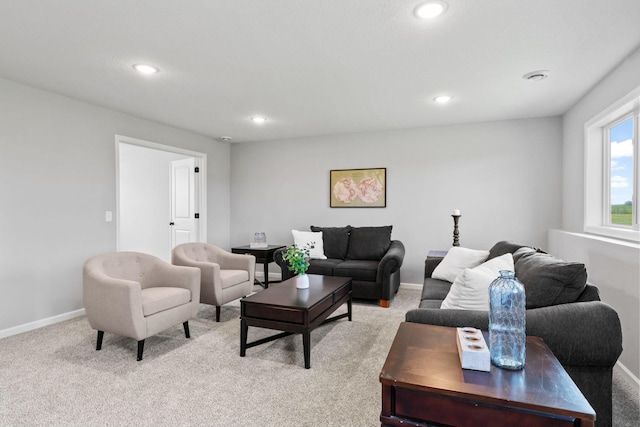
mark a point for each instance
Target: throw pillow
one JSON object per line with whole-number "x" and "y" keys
{"x": 456, "y": 260}
{"x": 311, "y": 241}
{"x": 336, "y": 240}
{"x": 470, "y": 290}
{"x": 548, "y": 280}
{"x": 502, "y": 248}
{"x": 369, "y": 243}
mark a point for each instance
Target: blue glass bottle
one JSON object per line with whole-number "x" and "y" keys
{"x": 507, "y": 337}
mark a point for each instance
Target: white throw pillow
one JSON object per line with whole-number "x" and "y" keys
{"x": 470, "y": 290}
{"x": 456, "y": 260}
{"x": 305, "y": 239}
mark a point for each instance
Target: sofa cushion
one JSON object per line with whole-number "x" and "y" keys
{"x": 470, "y": 290}
{"x": 308, "y": 240}
{"x": 155, "y": 300}
{"x": 231, "y": 278}
{"x": 336, "y": 240}
{"x": 502, "y": 248}
{"x": 548, "y": 280}
{"x": 435, "y": 290}
{"x": 456, "y": 260}
{"x": 369, "y": 243}
{"x": 323, "y": 266}
{"x": 357, "y": 269}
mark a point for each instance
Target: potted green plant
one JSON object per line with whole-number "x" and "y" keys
{"x": 298, "y": 262}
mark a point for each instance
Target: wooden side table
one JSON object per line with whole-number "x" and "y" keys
{"x": 423, "y": 383}
{"x": 263, "y": 256}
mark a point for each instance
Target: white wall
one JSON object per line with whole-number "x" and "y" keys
{"x": 145, "y": 199}
{"x": 613, "y": 267}
{"x": 504, "y": 177}
{"x": 57, "y": 179}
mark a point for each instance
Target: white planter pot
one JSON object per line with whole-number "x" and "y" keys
{"x": 302, "y": 281}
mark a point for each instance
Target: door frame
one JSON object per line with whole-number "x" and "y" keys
{"x": 201, "y": 180}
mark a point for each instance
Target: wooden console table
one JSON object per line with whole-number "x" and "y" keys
{"x": 423, "y": 384}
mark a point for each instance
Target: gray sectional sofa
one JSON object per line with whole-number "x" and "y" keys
{"x": 366, "y": 254}
{"x": 564, "y": 310}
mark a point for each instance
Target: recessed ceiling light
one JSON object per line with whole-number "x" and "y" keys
{"x": 430, "y": 9}
{"x": 258, "y": 119}
{"x": 146, "y": 69}
{"x": 442, "y": 99}
{"x": 536, "y": 76}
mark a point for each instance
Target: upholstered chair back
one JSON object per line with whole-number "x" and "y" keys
{"x": 127, "y": 266}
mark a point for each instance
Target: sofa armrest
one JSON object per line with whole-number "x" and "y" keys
{"x": 446, "y": 317}
{"x": 433, "y": 259}
{"x": 113, "y": 305}
{"x": 580, "y": 333}
{"x": 391, "y": 261}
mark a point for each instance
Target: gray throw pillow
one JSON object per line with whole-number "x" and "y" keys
{"x": 548, "y": 280}
{"x": 503, "y": 247}
{"x": 369, "y": 243}
{"x": 335, "y": 239}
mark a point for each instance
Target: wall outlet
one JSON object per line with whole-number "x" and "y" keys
{"x": 108, "y": 216}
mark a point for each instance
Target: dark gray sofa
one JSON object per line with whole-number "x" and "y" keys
{"x": 366, "y": 254}
{"x": 581, "y": 331}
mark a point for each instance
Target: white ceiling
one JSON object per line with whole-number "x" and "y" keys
{"x": 316, "y": 67}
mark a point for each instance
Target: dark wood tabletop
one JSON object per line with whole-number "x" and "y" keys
{"x": 284, "y": 307}
{"x": 423, "y": 362}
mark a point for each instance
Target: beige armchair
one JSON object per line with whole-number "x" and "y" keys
{"x": 138, "y": 295}
{"x": 225, "y": 276}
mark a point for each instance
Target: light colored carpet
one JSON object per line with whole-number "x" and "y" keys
{"x": 54, "y": 377}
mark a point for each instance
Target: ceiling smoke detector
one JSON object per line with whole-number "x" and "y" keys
{"x": 536, "y": 76}
{"x": 225, "y": 138}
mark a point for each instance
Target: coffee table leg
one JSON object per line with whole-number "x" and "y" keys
{"x": 306, "y": 344}
{"x": 349, "y": 308}
{"x": 243, "y": 337}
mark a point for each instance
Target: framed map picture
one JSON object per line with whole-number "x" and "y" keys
{"x": 358, "y": 188}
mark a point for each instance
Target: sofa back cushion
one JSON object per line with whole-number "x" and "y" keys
{"x": 369, "y": 243}
{"x": 502, "y": 248}
{"x": 548, "y": 280}
{"x": 336, "y": 240}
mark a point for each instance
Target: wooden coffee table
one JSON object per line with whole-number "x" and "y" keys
{"x": 423, "y": 383}
{"x": 283, "y": 307}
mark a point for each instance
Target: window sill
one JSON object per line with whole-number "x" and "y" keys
{"x": 614, "y": 233}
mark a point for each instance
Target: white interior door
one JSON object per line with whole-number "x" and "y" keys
{"x": 184, "y": 218}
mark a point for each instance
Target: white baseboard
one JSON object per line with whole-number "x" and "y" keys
{"x": 41, "y": 323}
{"x": 631, "y": 379}
{"x": 414, "y": 286}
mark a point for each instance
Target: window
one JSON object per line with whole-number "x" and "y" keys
{"x": 620, "y": 142}
{"x": 612, "y": 178}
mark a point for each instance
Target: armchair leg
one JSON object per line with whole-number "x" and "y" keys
{"x": 384, "y": 303}
{"x": 99, "y": 342}
{"x": 140, "y": 349}
{"x": 217, "y": 313}
{"x": 186, "y": 329}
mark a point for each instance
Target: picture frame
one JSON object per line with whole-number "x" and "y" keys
{"x": 358, "y": 188}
